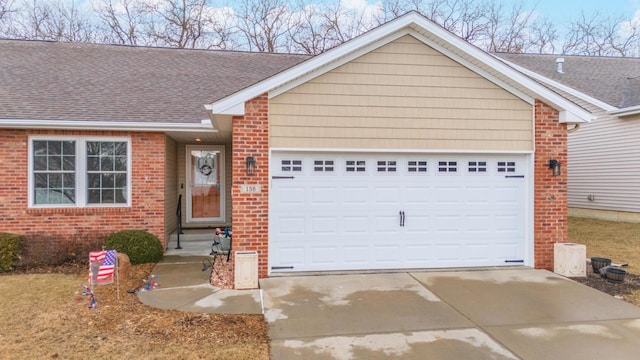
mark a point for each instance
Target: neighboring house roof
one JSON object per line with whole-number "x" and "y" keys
{"x": 54, "y": 81}
{"x": 613, "y": 80}
{"x": 424, "y": 30}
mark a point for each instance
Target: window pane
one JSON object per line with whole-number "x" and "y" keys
{"x": 40, "y": 163}
{"x": 55, "y": 196}
{"x": 68, "y": 162}
{"x": 40, "y": 181}
{"x": 106, "y": 164}
{"x": 93, "y": 196}
{"x": 69, "y": 180}
{"x": 120, "y": 180}
{"x": 69, "y": 196}
{"x": 121, "y": 163}
{"x": 121, "y": 149}
{"x": 121, "y": 196}
{"x": 40, "y": 148}
{"x": 55, "y": 163}
{"x": 107, "y": 181}
{"x": 41, "y": 196}
{"x": 93, "y": 181}
{"x": 93, "y": 163}
{"x": 108, "y": 196}
{"x": 55, "y": 181}
{"x": 107, "y": 148}
{"x": 54, "y": 148}
{"x": 69, "y": 147}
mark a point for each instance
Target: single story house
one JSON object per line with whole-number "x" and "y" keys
{"x": 405, "y": 147}
{"x": 604, "y": 156}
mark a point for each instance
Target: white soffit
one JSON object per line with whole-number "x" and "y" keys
{"x": 439, "y": 38}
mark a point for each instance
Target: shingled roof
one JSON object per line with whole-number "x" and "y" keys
{"x": 613, "y": 80}
{"x": 42, "y": 80}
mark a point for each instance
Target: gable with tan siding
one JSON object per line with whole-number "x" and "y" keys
{"x": 403, "y": 95}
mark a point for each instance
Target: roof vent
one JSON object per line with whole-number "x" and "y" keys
{"x": 559, "y": 63}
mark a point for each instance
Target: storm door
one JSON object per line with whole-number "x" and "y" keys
{"x": 205, "y": 183}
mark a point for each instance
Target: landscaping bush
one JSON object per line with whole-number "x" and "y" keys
{"x": 39, "y": 250}
{"x": 9, "y": 246}
{"x": 140, "y": 246}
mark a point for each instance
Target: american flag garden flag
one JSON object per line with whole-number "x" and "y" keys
{"x": 102, "y": 265}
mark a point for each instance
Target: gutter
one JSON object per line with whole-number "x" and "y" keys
{"x": 204, "y": 125}
{"x": 633, "y": 110}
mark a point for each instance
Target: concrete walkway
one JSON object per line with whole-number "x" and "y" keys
{"x": 184, "y": 286}
{"x": 493, "y": 314}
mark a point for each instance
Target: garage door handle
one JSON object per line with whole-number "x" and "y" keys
{"x": 282, "y": 177}
{"x": 514, "y": 176}
{"x": 401, "y": 218}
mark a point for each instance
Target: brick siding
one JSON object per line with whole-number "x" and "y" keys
{"x": 250, "y": 212}
{"x": 147, "y": 182}
{"x": 550, "y": 198}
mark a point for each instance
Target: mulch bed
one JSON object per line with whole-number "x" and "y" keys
{"x": 621, "y": 290}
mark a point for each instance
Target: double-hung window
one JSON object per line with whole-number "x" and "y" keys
{"x": 79, "y": 171}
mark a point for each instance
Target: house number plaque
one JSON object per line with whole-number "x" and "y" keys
{"x": 250, "y": 189}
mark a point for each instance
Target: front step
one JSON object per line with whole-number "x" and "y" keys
{"x": 194, "y": 242}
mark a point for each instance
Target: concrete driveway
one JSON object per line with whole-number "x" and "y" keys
{"x": 492, "y": 314}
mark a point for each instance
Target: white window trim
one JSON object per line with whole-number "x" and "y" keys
{"x": 81, "y": 170}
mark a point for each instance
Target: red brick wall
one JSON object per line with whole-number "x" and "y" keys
{"x": 550, "y": 199}
{"x": 147, "y": 202}
{"x": 250, "y": 212}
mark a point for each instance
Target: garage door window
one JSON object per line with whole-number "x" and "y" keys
{"x": 387, "y": 166}
{"x": 323, "y": 166}
{"x": 355, "y": 166}
{"x": 477, "y": 167}
{"x": 417, "y": 167}
{"x": 447, "y": 166}
{"x": 291, "y": 165}
{"x": 506, "y": 166}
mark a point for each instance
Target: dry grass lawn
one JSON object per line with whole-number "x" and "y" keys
{"x": 617, "y": 241}
{"x": 42, "y": 317}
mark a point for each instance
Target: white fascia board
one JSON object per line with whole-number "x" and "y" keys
{"x": 569, "y": 90}
{"x": 632, "y": 110}
{"x": 104, "y": 125}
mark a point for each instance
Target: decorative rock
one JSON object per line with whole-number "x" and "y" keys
{"x": 124, "y": 265}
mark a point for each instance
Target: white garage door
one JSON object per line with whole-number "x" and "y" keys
{"x": 355, "y": 211}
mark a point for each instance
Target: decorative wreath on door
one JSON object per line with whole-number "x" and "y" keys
{"x": 205, "y": 164}
{"x": 205, "y": 170}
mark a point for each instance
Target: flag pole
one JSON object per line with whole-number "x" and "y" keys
{"x": 117, "y": 277}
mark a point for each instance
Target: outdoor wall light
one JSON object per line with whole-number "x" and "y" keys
{"x": 251, "y": 165}
{"x": 555, "y": 166}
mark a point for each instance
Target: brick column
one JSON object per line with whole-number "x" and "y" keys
{"x": 250, "y": 211}
{"x": 550, "y": 198}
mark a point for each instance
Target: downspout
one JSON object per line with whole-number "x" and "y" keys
{"x": 575, "y": 128}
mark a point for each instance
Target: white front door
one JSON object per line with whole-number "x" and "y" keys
{"x": 356, "y": 211}
{"x": 205, "y": 183}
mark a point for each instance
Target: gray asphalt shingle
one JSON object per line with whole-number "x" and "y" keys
{"x": 42, "y": 80}
{"x": 614, "y": 80}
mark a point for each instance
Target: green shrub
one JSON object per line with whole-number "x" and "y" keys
{"x": 140, "y": 246}
{"x": 9, "y": 246}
